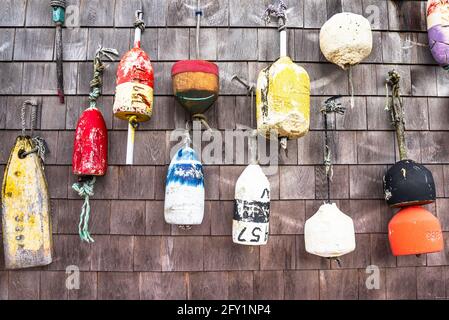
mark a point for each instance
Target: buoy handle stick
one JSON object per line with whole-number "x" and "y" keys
{"x": 130, "y": 142}
{"x": 139, "y": 24}
{"x": 282, "y": 37}
{"x": 198, "y": 14}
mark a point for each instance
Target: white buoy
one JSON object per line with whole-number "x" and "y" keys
{"x": 184, "y": 189}
{"x": 329, "y": 232}
{"x": 252, "y": 207}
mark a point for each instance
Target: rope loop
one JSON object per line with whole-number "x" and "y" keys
{"x": 85, "y": 189}
{"x": 279, "y": 13}
{"x": 58, "y": 3}
{"x": 202, "y": 118}
{"x": 139, "y": 23}
{"x": 96, "y": 82}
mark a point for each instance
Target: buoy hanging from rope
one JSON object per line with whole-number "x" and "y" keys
{"x": 250, "y": 224}
{"x": 346, "y": 39}
{"x": 135, "y": 83}
{"x": 283, "y": 91}
{"x": 90, "y": 148}
{"x": 196, "y": 82}
{"x": 27, "y": 236}
{"x": 329, "y": 232}
{"x": 184, "y": 188}
{"x": 406, "y": 182}
{"x": 438, "y": 30}
{"x": 59, "y": 18}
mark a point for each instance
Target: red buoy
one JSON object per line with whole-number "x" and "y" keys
{"x": 90, "y": 148}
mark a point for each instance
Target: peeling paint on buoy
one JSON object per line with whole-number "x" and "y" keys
{"x": 250, "y": 225}
{"x": 184, "y": 189}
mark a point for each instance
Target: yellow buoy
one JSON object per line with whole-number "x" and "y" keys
{"x": 26, "y": 207}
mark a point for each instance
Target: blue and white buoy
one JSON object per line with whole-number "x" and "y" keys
{"x": 184, "y": 189}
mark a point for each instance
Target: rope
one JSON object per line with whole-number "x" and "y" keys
{"x": 39, "y": 144}
{"x": 330, "y": 105}
{"x": 58, "y": 3}
{"x": 202, "y": 118}
{"x": 85, "y": 190}
{"x": 96, "y": 82}
{"x": 351, "y": 87}
{"x": 279, "y": 13}
{"x": 198, "y": 14}
{"x": 139, "y": 23}
{"x": 394, "y": 104}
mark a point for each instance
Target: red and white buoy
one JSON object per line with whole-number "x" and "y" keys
{"x": 134, "y": 92}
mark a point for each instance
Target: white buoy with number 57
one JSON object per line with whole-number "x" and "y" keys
{"x": 251, "y": 207}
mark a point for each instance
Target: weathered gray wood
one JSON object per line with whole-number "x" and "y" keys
{"x": 163, "y": 286}
{"x": 424, "y": 80}
{"x": 154, "y": 12}
{"x": 98, "y": 13}
{"x": 237, "y": 44}
{"x": 227, "y": 71}
{"x": 327, "y": 79}
{"x": 278, "y": 253}
{"x": 364, "y": 181}
{"x": 39, "y": 13}
{"x": 307, "y": 45}
{"x": 407, "y": 15}
{"x": 12, "y": 13}
{"x": 208, "y": 44}
{"x": 338, "y": 284}
{"x": 173, "y": 44}
{"x": 182, "y": 253}
{"x": 75, "y": 43}
{"x": 182, "y": 13}
{"x": 40, "y": 78}
{"x": 315, "y": 13}
{"x": 118, "y": 286}
{"x": 301, "y": 285}
{"x": 442, "y": 82}
{"x": 34, "y": 44}
{"x": 136, "y": 182}
{"x": 10, "y": 81}
{"x": 291, "y": 177}
{"x": 118, "y": 39}
{"x": 333, "y": 7}
{"x": 364, "y": 79}
{"x": 375, "y": 147}
{"x": 416, "y": 114}
{"x": 7, "y": 44}
{"x": 401, "y": 283}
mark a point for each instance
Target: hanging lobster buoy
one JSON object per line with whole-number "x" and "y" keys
{"x": 134, "y": 92}
{"x": 345, "y": 40}
{"x": 90, "y": 147}
{"x": 414, "y": 230}
{"x": 27, "y": 235}
{"x": 252, "y": 203}
{"x": 184, "y": 189}
{"x": 195, "y": 82}
{"x": 406, "y": 182}
{"x": 283, "y": 91}
{"x": 329, "y": 232}
{"x": 438, "y": 31}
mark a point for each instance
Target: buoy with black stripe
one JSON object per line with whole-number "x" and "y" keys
{"x": 27, "y": 232}
{"x": 250, "y": 224}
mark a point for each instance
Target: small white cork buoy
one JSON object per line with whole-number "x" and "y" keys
{"x": 329, "y": 232}
{"x": 252, "y": 207}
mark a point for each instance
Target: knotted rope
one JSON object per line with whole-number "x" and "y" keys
{"x": 279, "y": 13}
{"x": 330, "y": 105}
{"x": 85, "y": 189}
{"x": 394, "y": 105}
{"x": 58, "y": 3}
{"x": 202, "y": 118}
{"x": 96, "y": 82}
{"x": 39, "y": 144}
{"x": 139, "y": 22}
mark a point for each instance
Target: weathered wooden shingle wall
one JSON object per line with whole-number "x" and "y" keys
{"x": 137, "y": 255}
